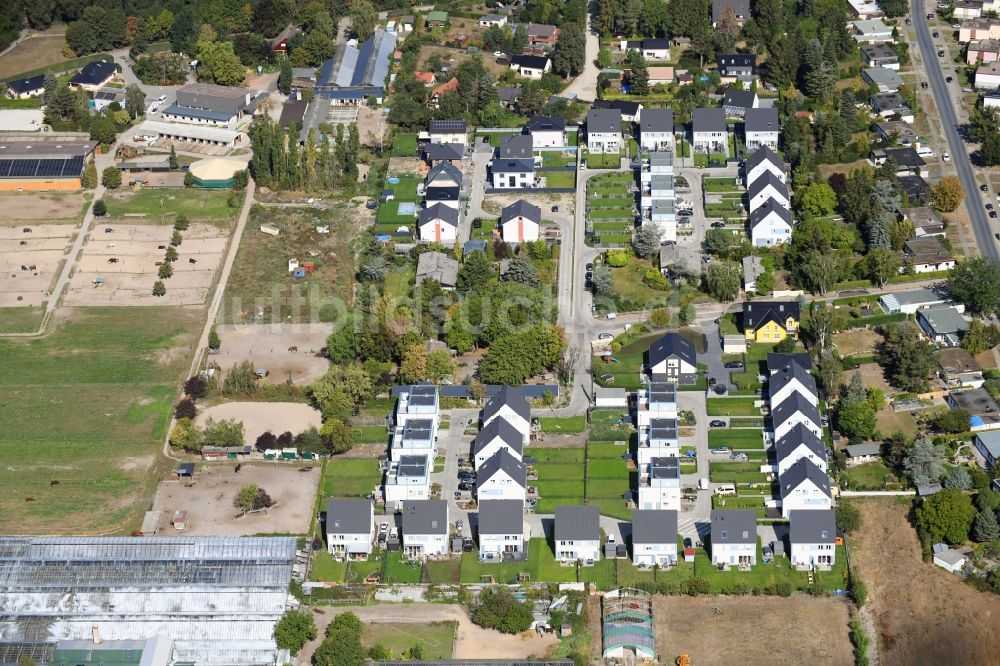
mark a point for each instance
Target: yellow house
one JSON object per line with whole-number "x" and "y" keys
{"x": 770, "y": 321}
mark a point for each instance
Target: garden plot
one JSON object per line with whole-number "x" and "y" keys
{"x": 29, "y": 261}
{"x": 119, "y": 265}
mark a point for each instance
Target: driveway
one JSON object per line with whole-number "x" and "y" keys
{"x": 713, "y": 355}
{"x": 452, "y": 445}
{"x": 694, "y": 522}
{"x": 585, "y": 85}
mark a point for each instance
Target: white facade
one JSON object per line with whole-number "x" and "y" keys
{"x": 773, "y": 229}
{"x": 769, "y": 192}
{"x": 490, "y": 449}
{"x": 519, "y": 230}
{"x": 806, "y": 496}
{"x": 548, "y": 138}
{"x": 797, "y": 454}
{"x": 673, "y": 366}
{"x": 649, "y": 554}
{"x": 794, "y": 386}
{"x": 822, "y": 555}
{"x": 759, "y": 170}
{"x": 988, "y": 76}
{"x": 604, "y": 142}
{"x": 657, "y": 141}
{"x": 795, "y": 419}
{"x": 416, "y": 545}
{"x": 500, "y": 486}
{"x": 711, "y": 142}
{"x": 397, "y": 493}
{"x": 660, "y": 495}
{"x": 758, "y": 138}
{"x": 442, "y": 136}
{"x": 437, "y": 230}
{"x": 340, "y": 543}
{"x": 571, "y": 551}
{"x": 732, "y": 554}
{"x": 493, "y": 546}
{"x": 656, "y": 447}
{"x": 512, "y": 417}
{"x": 513, "y": 179}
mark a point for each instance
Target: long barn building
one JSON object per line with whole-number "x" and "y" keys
{"x": 33, "y": 165}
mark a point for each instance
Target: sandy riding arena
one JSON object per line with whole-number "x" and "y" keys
{"x": 259, "y": 417}
{"x": 30, "y": 257}
{"x": 285, "y": 350}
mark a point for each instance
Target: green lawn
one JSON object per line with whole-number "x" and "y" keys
{"x": 436, "y": 639}
{"x": 87, "y": 406}
{"x": 552, "y": 159}
{"x": 732, "y": 407}
{"x": 631, "y": 293}
{"x": 21, "y": 320}
{"x": 350, "y": 477}
{"x": 602, "y": 161}
{"x": 559, "y": 178}
{"x": 485, "y": 230}
{"x": 611, "y": 214}
{"x": 610, "y": 425}
{"x": 736, "y": 472}
{"x": 720, "y": 185}
{"x": 444, "y": 572}
{"x": 399, "y": 283}
{"x": 560, "y": 477}
{"x": 736, "y": 439}
{"x": 871, "y": 476}
{"x": 563, "y": 424}
{"x": 163, "y": 206}
{"x": 400, "y": 570}
{"x": 404, "y": 144}
{"x": 370, "y": 434}
{"x": 326, "y": 569}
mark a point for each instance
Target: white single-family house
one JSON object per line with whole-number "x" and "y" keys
{"x": 577, "y": 534}
{"x": 761, "y": 161}
{"x": 656, "y": 130}
{"x": 604, "y": 131}
{"x": 812, "y": 538}
{"x": 793, "y": 410}
{"x": 767, "y": 186}
{"x": 804, "y": 486}
{"x": 761, "y": 127}
{"x": 734, "y": 537}
{"x": 519, "y": 222}
{"x": 799, "y": 443}
{"x": 672, "y": 357}
{"x": 791, "y": 378}
{"x": 660, "y": 485}
{"x": 546, "y": 131}
{"x": 654, "y": 538}
{"x": 861, "y": 454}
{"x": 530, "y": 66}
{"x": 350, "y": 525}
{"x": 499, "y": 434}
{"x": 709, "y": 132}
{"x": 407, "y": 479}
{"x": 438, "y": 224}
{"x": 770, "y": 224}
{"x": 510, "y": 405}
{"x": 501, "y": 476}
{"x": 503, "y": 534}
{"x": 425, "y": 528}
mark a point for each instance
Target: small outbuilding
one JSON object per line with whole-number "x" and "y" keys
{"x": 216, "y": 172}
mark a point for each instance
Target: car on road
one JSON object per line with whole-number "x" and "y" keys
{"x": 930, "y": 16}
{"x": 721, "y": 451}
{"x": 943, "y": 5}
{"x": 717, "y": 423}
{"x": 161, "y": 98}
{"x": 499, "y": 54}
{"x": 589, "y": 284}
{"x": 718, "y": 225}
{"x": 588, "y": 276}
{"x": 948, "y": 79}
{"x": 734, "y": 365}
{"x": 956, "y": 26}
{"x": 946, "y": 157}
{"x": 923, "y": 84}
{"x": 908, "y": 21}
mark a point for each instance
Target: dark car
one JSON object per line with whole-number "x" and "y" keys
{"x": 989, "y": 206}
{"x": 717, "y": 423}
{"x": 718, "y": 225}
{"x": 555, "y": 209}
{"x": 712, "y": 381}
{"x": 923, "y": 84}
{"x": 984, "y": 188}
{"x": 948, "y": 79}
{"x": 935, "y": 34}
{"x": 735, "y": 365}
{"x": 993, "y": 214}
{"x": 371, "y": 205}
{"x": 941, "y": 53}
{"x": 687, "y": 542}
{"x": 588, "y": 284}
{"x": 720, "y": 389}
{"x": 465, "y": 486}
{"x": 590, "y": 267}
{"x": 467, "y": 545}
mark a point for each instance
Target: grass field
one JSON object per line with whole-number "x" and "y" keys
{"x": 404, "y": 145}
{"x": 162, "y": 206}
{"x": 260, "y": 280}
{"x": 87, "y": 406}
{"x": 436, "y": 639}
{"x": 20, "y": 320}
{"x": 399, "y": 570}
{"x": 347, "y": 477}
{"x": 326, "y": 569}
{"x": 732, "y": 407}
{"x": 370, "y": 434}
{"x": 560, "y": 477}
{"x": 563, "y": 424}
{"x": 40, "y": 54}
{"x": 736, "y": 472}
{"x": 559, "y": 178}
{"x": 598, "y": 161}
{"x": 406, "y": 192}
{"x": 736, "y": 439}
{"x": 872, "y": 476}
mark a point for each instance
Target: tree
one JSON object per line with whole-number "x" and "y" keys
{"x": 947, "y": 194}
{"x": 165, "y": 271}
{"x": 100, "y": 208}
{"x": 907, "y": 358}
{"x": 516, "y": 356}
{"x": 176, "y": 239}
{"x": 342, "y": 345}
{"x": 946, "y": 515}
{"x": 111, "y": 178}
{"x": 985, "y": 527}
{"x": 924, "y": 462}
{"x": 294, "y": 630}
{"x": 214, "y": 342}
{"x": 952, "y": 421}
{"x": 266, "y": 441}
{"x": 638, "y": 73}
{"x": 439, "y": 365}
{"x": 817, "y": 199}
{"x": 180, "y": 222}
{"x": 135, "y": 100}
{"x": 764, "y": 284}
{"x": 196, "y": 387}
{"x": 498, "y": 609}
{"x": 520, "y": 269}
{"x": 475, "y": 272}
{"x": 856, "y": 418}
{"x": 159, "y": 289}
{"x": 719, "y": 242}
{"x": 363, "y": 19}
{"x": 848, "y": 516}
{"x": 647, "y": 240}
{"x": 603, "y": 282}
{"x": 723, "y": 280}
{"x": 89, "y": 178}
{"x": 570, "y": 54}
{"x": 413, "y": 367}
{"x": 958, "y": 478}
{"x": 373, "y": 268}
{"x": 881, "y": 264}
{"x": 173, "y": 158}
{"x": 217, "y": 63}
{"x": 284, "y": 76}
{"x": 980, "y": 337}
{"x": 976, "y": 283}
{"x": 185, "y": 409}
{"x": 251, "y": 497}
{"x": 338, "y": 434}
{"x": 186, "y": 435}
{"x": 240, "y": 380}
{"x": 227, "y": 432}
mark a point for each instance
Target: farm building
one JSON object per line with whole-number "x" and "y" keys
{"x": 353, "y": 74}
{"x": 216, "y": 172}
{"x": 208, "y": 104}
{"x": 43, "y": 165}
{"x": 217, "y": 598}
{"x": 216, "y": 136}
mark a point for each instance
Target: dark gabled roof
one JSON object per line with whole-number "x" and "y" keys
{"x": 521, "y": 208}
{"x": 795, "y": 403}
{"x": 546, "y": 124}
{"x": 512, "y": 166}
{"x": 770, "y": 206}
{"x": 502, "y": 461}
{"x": 529, "y": 61}
{"x": 446, "y": 214}
{"x": 425, "y": 517}
{"x": 739, "y": 98}
{"x": 446, "y": 168}
{"x": 504, "y": 516}
{"x": 657, "y": 120}
{"x": 786, "y": 375}
{"x": 761, "y": 154}
{"x": 905, "y": 157}
{"x": 449, "y": 193}
{"x": 498, "y": 428}
{"x": 734, "y": 526}
{"x": 95, "y": 72}
{"x": 777, "y": 360}
{"x": 708, "y": 120}
{"x": 577, "y": 523}
{"x": 765, "y": 179}
{"x": 444, "y": 151}
{"x": 446, "y": 126}
{"x": 740, "y": 7}
{"x": 626, "y": 108}
{"x": 510, "y": 397}
{"x": 654, "y": 526}
{"x": 348, "y": 516}
{"x": 798, "y": 436}
{"x": 292, "y": 112}
{"x": 812, "y": 526}
{"x": 604, "y": 120}
{"x": 651, "y": 44}
{"x": 515, "y": 147}
{"x": 30, "y": 84}
{"x": 509, "y": 94}
{"x": 758, "y": 313}
{"x": 801, "y": 471}
{"x": 672, "y": 344}
{"x": 761, "y": 120}
{"x": 736, "y": 60}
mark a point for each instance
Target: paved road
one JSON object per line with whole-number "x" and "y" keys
{"x": 585, "y": 85}
{"x": 695, "y": 521}
{"x": 959, "y": 150}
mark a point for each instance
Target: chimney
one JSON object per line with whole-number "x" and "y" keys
{"x": 97, "y": 635}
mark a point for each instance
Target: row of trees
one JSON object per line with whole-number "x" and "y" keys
{"x": 280, "y": 163}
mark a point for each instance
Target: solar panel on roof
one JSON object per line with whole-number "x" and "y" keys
{"x": 73, "y": 166}
{"x": 22, "y": 168}
{"x": 5, "y": 167}
{"x": 49, "y": 168}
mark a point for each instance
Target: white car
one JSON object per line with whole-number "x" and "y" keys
{"x": 946, "y": 157}
{"x": 161, "y": 98}
{"x": 956, "y": 26}
{"x": 606, "y": 336}
{"x": 499, "y": 54}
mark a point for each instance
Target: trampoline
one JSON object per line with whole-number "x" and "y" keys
{"x": 406, "y": 208}
{"x": 393, "y": 181}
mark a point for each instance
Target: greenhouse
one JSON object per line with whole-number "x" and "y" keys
{"x": 627, "y": 624}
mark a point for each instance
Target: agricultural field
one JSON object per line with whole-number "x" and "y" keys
{"x": 261, "y": 288}
{"x": 39, "y": 50}
{"x": 85, "y": 417}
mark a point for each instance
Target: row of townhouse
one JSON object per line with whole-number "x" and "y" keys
{"x": 768, "y": 198}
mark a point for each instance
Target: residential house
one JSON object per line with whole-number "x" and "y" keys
{"x": 654, "y": 538}
{"x": 660, "y": 484}
{"x": 503, "y": 534}
{"x": 501, "y": 476}
{"x": 510, "y": 405}
{"x": 604, "y": 131}
{"x": 426, "y": 78}
{"x": 448, "y": 131}
{"x": 660, "y": 75}
{"x": 734, "y": 537}
{"x": 546, "y": 131}
{"x": 949, "y": 559}
{"x": 530, "y": 66}
{"x": 737, "y": 101}
{"x": 761, "y": 161}
{"x": 964, "y": 9}
{"x": 871, "y": 31}
{"x": 350, "y": 525}
{"x": 519, "y": 222}
{"x": 753, "y": 268}
{"x": 414, "y": 437}
{"x": 861, "y": 454}
{"x": 651, "y": 49}
{"x": 420, "y": 401}
{"x": 799, "y": 443}
{"x": 659, "y": 438}
{"x": 770, "y": 321}
{"x": 512, "y": 174}
{"x": 988, "y": 444}
{"x": 487, "y": 20}
{"x": 790, "y": 379}
{"x": 446, "y": 196}
{"x": 407, "y": 479}
{"x": 498, "y": 434}
{"x": 425, "y": 528}
{"x": 439, "y": 267}
{"x": 106, "y": 96}
{"x": 656, "y": 422}
{"x": 987, "y": 76}
{"x": 958, "y": 368}
{"x": 279, "y": 44}
{"x": 916, "y": 189}
{"x": 508, "y": 95}
{"x": 709, "y": 131}
{"x": 776, "y": 361}
{"x": 979, "y": 28}
{"x": 907, "y": 161}
{"x": 435, "y": 153}
{"x": 656, "y": 130}
{"x": 434, "y": 99}
{"x": 292, "y": 113}
{"x": 984, "y": 413}
{"x": 991, "y": 100}
{"x": 540, "y": 33}
{"x": 879, "y": 55}
{"x": 95, "y": 75}
{"x": 943, "y": 324}
{"x": 812, "y": 538}
{"x": 739, "y": 8}
{"x": 985, "y": 51}
{"x": 865, "y": 9}
{"x": 897, "y": 132}
{"x": 804, "y": 486}
{"x": 32, "y": 86}
{"x": 768, "y": 186}
{"x": 631, "y": 111}
{"x": 443, "y": 174}
{"x": 436, "y": 19}
{"x": 610, "y": 398}
{"x": 927, "y": 255}
{"x": 886, "y": 80}
{"x": 770, "y": 224}
{"x": 577, "y": 534}
{"x": 793, "y": 410}
{"x": 761, "y": 127}
{"x": 515, "y": 147}
{"x": 890, "y": 104}
{"x": 438, "y": 224}
{"x": 656, "y": 199}
{"x": 303, "y": 78}
{"x": 737, "y": 65}
{"x": 924, "y": 220}
{"x": 672, "y": 357}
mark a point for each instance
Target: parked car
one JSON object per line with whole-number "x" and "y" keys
{"x": 941, "y": 53}
{"x": 718, "y": 225}
{"x": 606, "y": 336}
{"x": 735, "y": 365}
{"x": 467, "y": 545}
{"x": 956, "y": 26}
{"x": 720, "y": 389}
{"x": 984, "y": 188}
{"x": 721, "y": 451}
{"x": 717, "y": 423}
{"x": 458, "y": 495}
{"x": 989, "y": 206}
{"x": 923, "y": 84}
{"x": 935, "y": 34}
{"x": 590, "y": 267}
{"x": 459, "y": 525}
{"x": 555, "y": 209}
{"x": 948, "y": 79}
{"x": 371, "y": 204}
{"x": 946, "y": 157}
{"x": 382, "y": 538}
{"x": 383, "y": 527}
{"x": 712, "y": 381}
{"x": 993, "y": 214}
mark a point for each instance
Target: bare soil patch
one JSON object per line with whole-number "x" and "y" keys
{"x": 30, "y": 261}
{"x": 208, "y": 499}
{"x": 753, "y": 630}
{"x": 259, "y": 417}
{"x": 872, "y": 375}
{"x": 889, "y": 422}
{"x": 923, "y": 614}
{"x": 271, "y": 346}
{"x": 39, "y": 209}
{"x": 857, "y": 341}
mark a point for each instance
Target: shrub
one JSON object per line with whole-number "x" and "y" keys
{"x": 696, "y": 586}
{"x": 499, "y": 610}
{"x": 616, "y": 258}
{"x": 783, "y": 589}
{"x": 100, "y": 208}
{"x": 185, "y": 409}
